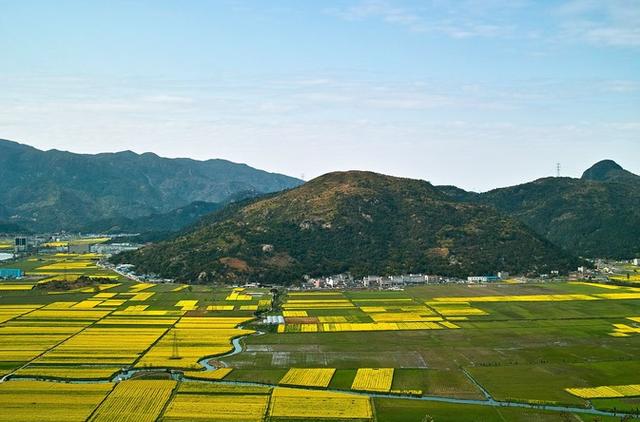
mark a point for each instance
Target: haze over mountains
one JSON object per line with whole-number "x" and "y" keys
{"x": 55, "y": 190}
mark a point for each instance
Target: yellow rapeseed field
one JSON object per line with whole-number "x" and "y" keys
{"x": 187, "y": 305}
{"x": 135, "y": 401}
{"x": 294, "y": 313}
{"x": 606, "y": 391}
{"x": 8, "y": 312}
{"x": 358, "y": 326}
{"x": 112, "y": 345}
{"x": 318, "y": 405}
{"x": 309, "y": 377}
{"x": 220, "y": 307}
{"x": 236, "y": 294}
{"x": 216, "y": 375}
{"x": 14, "y": 287}
{"x": 69, "y": 372}
{"x": 28, "y": 401}
{"x": 373, "y": 379}
{"x": 217, "y": 408}
{"x": 196, "y": 338}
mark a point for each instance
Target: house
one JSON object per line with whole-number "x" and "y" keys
{"x": 636, "y": 261}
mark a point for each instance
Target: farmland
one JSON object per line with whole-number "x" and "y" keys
{"x": 167, "y": 352}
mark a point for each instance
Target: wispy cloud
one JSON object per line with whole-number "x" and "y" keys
{"x": 464, "y": 19}
{"x": 605, "y": 23}
{"x": 609, "y": 23}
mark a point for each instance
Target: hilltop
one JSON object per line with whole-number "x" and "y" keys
{"x": 361, "y": 222}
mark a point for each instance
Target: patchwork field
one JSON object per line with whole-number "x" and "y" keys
{"x": 167, "y": 352}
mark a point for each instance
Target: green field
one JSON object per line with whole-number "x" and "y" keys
{"x": 451, "y": 348}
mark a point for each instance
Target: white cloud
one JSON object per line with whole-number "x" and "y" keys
{"x": 455, "y": 19}
{"x": 613, "y": 23}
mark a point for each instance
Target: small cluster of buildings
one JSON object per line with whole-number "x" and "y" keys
{"x": 390, "y": 282}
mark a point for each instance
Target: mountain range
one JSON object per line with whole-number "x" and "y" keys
{"x": 58, "y": 190}
{"x": 223, "y": 221}
{"x": 597, "y": 215}
{"x": 360, "y": 222}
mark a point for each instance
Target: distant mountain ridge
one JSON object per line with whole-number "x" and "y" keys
{"x": 361, "y": 222}
{"x": 53, "y": 190}
{"x": 597, "y": 215}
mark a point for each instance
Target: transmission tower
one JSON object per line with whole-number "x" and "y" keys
{"x": 175, "y": 354}
{"x": 557, "y": 169}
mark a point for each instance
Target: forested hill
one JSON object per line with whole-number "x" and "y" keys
{"x": 597, "y": 215}
{"x": 361, "y": 222}
{"x": 52, "y": 190}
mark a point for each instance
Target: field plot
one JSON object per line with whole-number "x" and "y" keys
{"x": 28, "y": 401}
{"x": 192, "y": 339}
{"x": 103, "y": 346}
{"x": 373, "y": 379}
{"x": 68, "y": 372}
{"x": 21, "y": 341}
{"x": 135, "y": 401}
{"x": 528, "y": 343}
{"x": 217, "y": 407}
{"x": 607, "y": 391}
{"x": 308, "y": 313}
{"x": 309, "y": 377}
{"x": 291, "y": 404}
{"x": 401, "y": 410}
{"x": 215, "y": 375}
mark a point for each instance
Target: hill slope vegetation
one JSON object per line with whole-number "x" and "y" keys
{"x": 360, "y": 222}
{"x": 52, "y": 190}
{"x": 597, "y": 215}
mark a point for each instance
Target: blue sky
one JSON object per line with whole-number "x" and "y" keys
{"x": 477, "y": 93}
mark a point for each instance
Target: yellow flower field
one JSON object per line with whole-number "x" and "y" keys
{"x": 358, "y": 326}
{"x": 69, "y": 372}
{"x": 135, "y": 401}
{"x": 373, "y": 379}
{"x": 196, "y": 338}
{"x": 28, "y": 401}
{"x": 220, "y": 307}
{"x": 318, "y": 405}
{"x": 8, "y": 312}
{"x": 104, "y": 345}
{"x": 216, "y": 375}
{"x": 15, "y": 287}
{"x": 309, "y": 377}
{"x": 21, "y": 342}
{"x": 402, "y": 317}
{"x": 187, "y": 305}
{"x": 217, "y": 408}
{"x": 606, "y": 391}
{"x": 236, "y": 294}
{"x": 294, "y": 313}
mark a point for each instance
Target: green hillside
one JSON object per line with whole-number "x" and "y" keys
{"x": 360, "y": 222}
{"x": 597, "y": 215}
{"x": 53, "y": 190}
